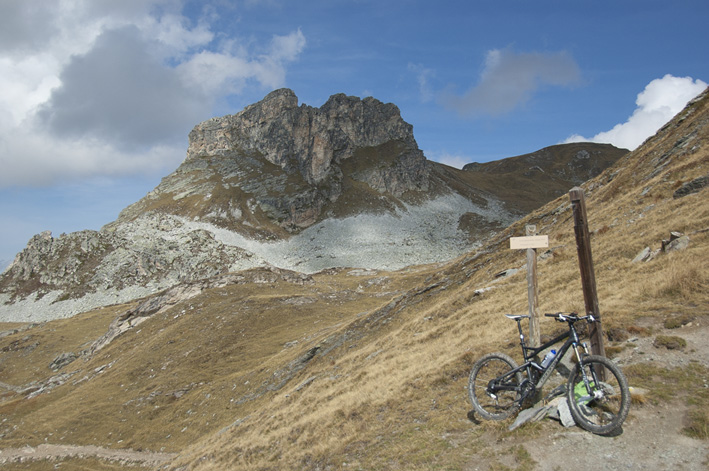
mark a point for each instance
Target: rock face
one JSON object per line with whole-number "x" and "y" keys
{"x": 275, "y": 185}
{"x": 311, "y": 141}
{"x": 277, "y": 163}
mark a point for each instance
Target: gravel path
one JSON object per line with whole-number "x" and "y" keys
{"x": 52, "y": 452}
{"x": 651, "y": 439}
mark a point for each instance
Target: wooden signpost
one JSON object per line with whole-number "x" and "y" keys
{"x": 531, "y": 242}
{"x": 588, "y": 277}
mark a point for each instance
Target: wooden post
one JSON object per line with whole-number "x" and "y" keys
{"x": 533, "y": 291}
{"x": 588, "y": 278}
{"x": 531, "y": 243}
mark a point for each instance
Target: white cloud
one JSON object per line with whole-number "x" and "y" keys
{"x": 111, "y": 88}
{"x": 173, "y": 32}
{"x": 423, "y": 78}
{"x": 661, "y": 100}
{"x": 26, "y": 26}
{"x": 119, "y": 94}
{"x": 509, "y": 79}
{"x": 29, "y": 158}
{"x": 287, "y": 48}
{"x": 219, "y": 72}
{"x": 452, "y": 160}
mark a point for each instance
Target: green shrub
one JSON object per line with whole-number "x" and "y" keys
{"x": 617, "y": 334}
{"x": 613, "y": 351}
{"x": 640, "y": 331}
{"x": 698, "y": 424}
{"x": 677, "y": 322}
{"x": 670, "y": 342}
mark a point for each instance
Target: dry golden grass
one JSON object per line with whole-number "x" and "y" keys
{"x": 74, "y": 464}
{"x": 365, "y": 372}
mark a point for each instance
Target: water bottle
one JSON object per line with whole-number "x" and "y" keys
{"x": 548, "y": 358}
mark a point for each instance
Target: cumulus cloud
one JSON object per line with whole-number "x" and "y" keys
{"x": 659, "y": 102}
{"x": 117, "y": 93}
{"x": 446, "y": 158}
{"x": 112, "y": 88}
{"x": 215, "y": 72}
{"x": 26, "y": 26}
{"x": 31, "y": 159}
{"x": 509, "y": 79}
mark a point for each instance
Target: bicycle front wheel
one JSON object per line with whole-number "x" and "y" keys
{"x": 599, "y": 402}
{"x": 489, "y": 401}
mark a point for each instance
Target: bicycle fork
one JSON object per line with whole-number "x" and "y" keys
{"x": 589, "y": 383}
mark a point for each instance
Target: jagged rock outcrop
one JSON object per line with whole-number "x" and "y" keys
{"x": 134, "y": 259}
{"x": 276, "y": 168}
{"x": 304, "y": 139}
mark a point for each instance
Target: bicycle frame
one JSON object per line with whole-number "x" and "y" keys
{"x": 572, "y": 340}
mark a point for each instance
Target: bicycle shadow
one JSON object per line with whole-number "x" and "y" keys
{"x": 616, "y": 433}
{"x": 473, "y": 418}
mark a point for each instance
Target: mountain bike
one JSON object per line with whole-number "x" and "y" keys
{"x": 596, "y": 390}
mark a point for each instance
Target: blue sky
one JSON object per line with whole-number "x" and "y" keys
{"x": 97, "y": 96}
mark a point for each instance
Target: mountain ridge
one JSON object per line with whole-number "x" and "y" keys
{"x": 543, "y": 175}
{"x": 283, "y": 185}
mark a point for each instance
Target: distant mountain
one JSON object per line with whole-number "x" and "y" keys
{"x": 295, "y": 187}
{"x": 531, "y": 180}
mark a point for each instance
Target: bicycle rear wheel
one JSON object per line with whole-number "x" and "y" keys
{"x": 489, "y": 402}
{"x": 602, "y": 406}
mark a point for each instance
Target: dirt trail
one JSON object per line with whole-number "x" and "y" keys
{"x": 651, "y": 439}
{"x": 652, "y": 435}
{"x": 52, "y": 452}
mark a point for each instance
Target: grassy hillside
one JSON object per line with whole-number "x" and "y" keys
{"x": 356, "y": 369}
{"x": 531, "y": 180}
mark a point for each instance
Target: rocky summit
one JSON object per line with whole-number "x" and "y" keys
{"x": 292, "y": 187}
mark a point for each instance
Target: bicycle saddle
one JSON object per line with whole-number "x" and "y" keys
{"x": 516, "y": 317}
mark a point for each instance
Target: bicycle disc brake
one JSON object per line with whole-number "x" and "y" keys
{"x": 526, "y": 389}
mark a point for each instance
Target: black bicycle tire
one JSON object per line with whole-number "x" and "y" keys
{"x": 581, "y": 418}
{"x": 473, "y": 381}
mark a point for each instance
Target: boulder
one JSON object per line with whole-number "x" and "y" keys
{"x": 690, "y": 187}
{"x": 679, "y": 243}
{"x": 62, "y": 360}
{"x": 643, "y": 255}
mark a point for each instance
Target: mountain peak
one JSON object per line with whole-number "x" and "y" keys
{"x": 307, "y": 139}
{"x": 277, "y": 101}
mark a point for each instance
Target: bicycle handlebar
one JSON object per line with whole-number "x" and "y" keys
{"x": 570, "y": 317}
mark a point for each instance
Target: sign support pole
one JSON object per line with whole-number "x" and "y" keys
{"x": 531, "y": 242}
{"x": 533, "y": 290}
{"x": 588, "y": 277}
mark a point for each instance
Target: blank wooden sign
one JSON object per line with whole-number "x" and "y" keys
{"x": 529, "y": 242}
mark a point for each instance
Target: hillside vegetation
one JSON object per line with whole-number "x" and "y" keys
{"x": 359, "y": 369}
